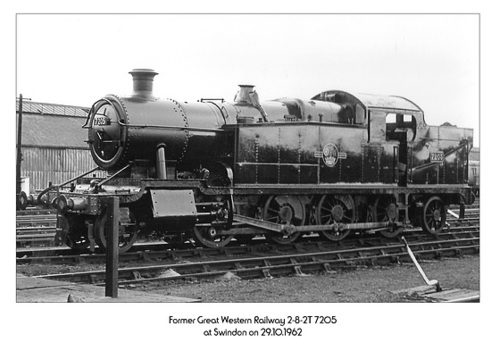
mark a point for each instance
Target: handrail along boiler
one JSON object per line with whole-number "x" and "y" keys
{"x": 214, "y": 171}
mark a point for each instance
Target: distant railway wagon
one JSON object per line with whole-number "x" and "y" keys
{"x": 474, "y": 177}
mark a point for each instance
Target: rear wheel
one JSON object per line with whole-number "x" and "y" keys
{"x": 434, "y": 215}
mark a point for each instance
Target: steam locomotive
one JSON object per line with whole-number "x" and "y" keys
{"x": 214, "y": 171}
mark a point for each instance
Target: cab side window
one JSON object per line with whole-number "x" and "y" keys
{"x": 400, "y": 123}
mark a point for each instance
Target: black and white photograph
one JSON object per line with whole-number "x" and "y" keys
{"x": 263, "y": 178}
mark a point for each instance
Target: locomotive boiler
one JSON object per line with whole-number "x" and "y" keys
{"x": 214, "y": 171}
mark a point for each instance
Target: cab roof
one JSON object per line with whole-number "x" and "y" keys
{"x": 370, "y": 101}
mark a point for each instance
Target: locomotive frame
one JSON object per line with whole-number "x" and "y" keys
{"x": 214, "y": 171}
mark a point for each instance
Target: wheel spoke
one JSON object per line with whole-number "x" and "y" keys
{"x": 326, "y": 209}
{"x": 329, "y": 204}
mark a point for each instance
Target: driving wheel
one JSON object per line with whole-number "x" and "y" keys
{"x": 284, "y": 209}
{"x": 333, "y": 209}
{"x": 386, "y": 210}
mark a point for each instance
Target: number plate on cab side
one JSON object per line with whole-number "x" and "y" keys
{"x": 437, "y": 156}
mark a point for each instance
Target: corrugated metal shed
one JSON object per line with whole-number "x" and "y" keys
{"x": 53, "y": 144}
{"x": 47, "y": 125}
{"x": 57, "y": 165}
{"x": 53, "y": 131}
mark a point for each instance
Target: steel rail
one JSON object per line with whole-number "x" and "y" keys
{"x": 267, "y": 264}
{"x": 161, "y": 251}
{"x": 267, "y": 269}
{"x": 48, "y": 232}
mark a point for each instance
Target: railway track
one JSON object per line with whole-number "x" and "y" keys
{"x": 158, "y": 251}
{"x": 251, "y": 261}
{"x": 316, "y": 258}
{"x": 37, "y": 228}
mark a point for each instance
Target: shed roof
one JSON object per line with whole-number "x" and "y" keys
{"x": 53, "y": 131}
{"x": 44, "y": 108}
{"x": 51, "y": 125}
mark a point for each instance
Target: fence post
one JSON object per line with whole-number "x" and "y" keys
{"x": 112, "y": 223}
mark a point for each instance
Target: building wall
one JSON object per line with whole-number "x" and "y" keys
{"x": 57, "y": 165}
{"x": 53, "y": 144}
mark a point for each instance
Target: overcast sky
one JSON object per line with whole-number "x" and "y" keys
{"x": 432, "y": 60}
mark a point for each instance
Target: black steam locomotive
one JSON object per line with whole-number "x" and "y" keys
{"x": 214, "y": 171}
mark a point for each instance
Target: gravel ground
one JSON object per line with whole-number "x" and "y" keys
{"x": 361, "y": 284}
{"x": 365, "y": 284}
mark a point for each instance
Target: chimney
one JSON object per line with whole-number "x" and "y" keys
{"x": 143, "y": 82}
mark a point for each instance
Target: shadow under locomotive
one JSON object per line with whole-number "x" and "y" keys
{"x": 214, "y": 171}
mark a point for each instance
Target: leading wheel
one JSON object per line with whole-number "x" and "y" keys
{"x": 211, "y": 237}
{"x": 434, "y": 215}
{"x": 284, "y": 209}
{"x": 76, "y": 232}
{"x": 384, "y": 210}
{"x": 128, "y": 230}
{"x": 333, "y": 209}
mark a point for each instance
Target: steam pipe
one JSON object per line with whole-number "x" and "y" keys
{"x": 161, "y": 164}
{"x": 38, "y": 199}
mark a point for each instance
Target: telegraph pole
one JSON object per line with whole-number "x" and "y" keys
{"x": 19, "y": 152}
{"x": 21, "y": 197}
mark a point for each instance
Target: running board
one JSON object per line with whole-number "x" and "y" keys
{"x": 290, "y": 228}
